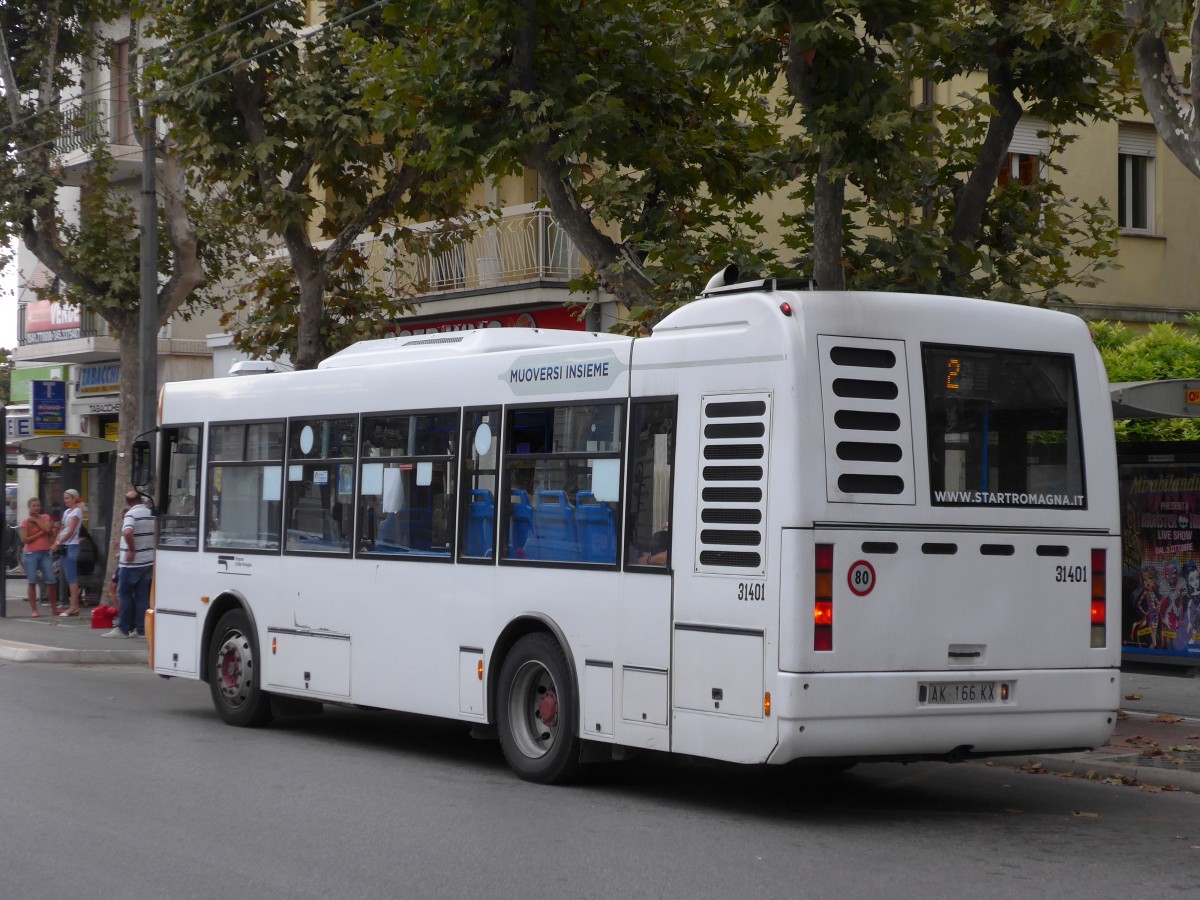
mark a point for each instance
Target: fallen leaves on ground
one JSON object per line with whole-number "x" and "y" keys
{"x": 1085, "y": 815}
{"x": 1167, "y": 719}
{"x": 1034, "y": 768}
{"x": 1136, "y": 740}
{"x": 1121, "y": 780}
{"x": 1185, "y": 748}
{"x": 1135, "y": 697}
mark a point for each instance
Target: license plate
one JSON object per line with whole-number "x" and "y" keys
{"x": 949, "y": 693}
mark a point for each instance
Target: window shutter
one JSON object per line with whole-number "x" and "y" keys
{"x": 1136, "y": 140}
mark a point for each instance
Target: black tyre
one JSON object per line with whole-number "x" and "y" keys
{"x": 537, "y": 711}
{"x": 233, "y": 676}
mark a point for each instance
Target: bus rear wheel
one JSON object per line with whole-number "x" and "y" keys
{"x": 233, "y": 673}
{"x": 537, "y": 711}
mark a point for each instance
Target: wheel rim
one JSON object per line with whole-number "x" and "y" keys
{"x": 235, "y": 668}
{"x": 533, "y": 710}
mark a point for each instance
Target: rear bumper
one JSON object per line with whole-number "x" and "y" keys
{"x": 879, "y": 714}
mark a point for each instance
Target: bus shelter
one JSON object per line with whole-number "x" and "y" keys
{"x": 60, "y": 461}
{"x": 1160, "y": 527}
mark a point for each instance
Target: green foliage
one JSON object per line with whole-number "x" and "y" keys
{"x": 910, "y": 164}
{"x": 275, "y": 121}
{"x": 632, "y": 112}
{"x": 1164, "y": 351}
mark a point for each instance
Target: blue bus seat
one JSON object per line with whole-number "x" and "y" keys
{"x": 554, "y": 527}
{"x": 481, "y": 519}
{"x": 597, "y": 529}
{"x": 519, "y": 524}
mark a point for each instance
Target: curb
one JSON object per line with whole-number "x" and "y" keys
{"x": 1080, "y": 765}
{"x": 16, "y": 651}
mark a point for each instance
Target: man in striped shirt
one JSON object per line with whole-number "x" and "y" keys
{"x": 136, "y": 568}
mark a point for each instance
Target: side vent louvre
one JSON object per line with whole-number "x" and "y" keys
{"x": 732, "y": 487}
{"x": 868, "y": 431}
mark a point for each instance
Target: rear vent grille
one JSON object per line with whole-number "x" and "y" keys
{"x": 732, "y": 483}
{"x": 868, "y": 434}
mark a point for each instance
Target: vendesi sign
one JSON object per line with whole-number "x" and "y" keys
{"x": 48, "y": 404}
{"x": 104, "y": 378}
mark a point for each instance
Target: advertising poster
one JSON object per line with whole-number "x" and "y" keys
{"x": 1160, "y": 564}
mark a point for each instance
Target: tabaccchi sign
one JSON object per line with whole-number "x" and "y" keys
{"x": 562, "y": 317}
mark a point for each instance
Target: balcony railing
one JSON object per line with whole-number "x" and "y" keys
{"x": 88, "y": 122}
{"x": 523, "y": 245}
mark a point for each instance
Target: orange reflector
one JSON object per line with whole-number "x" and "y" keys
{"x": 479, "y": 670}
{"x": 767, "y": 704}
{"x": 1004, "y": 692}
{"x": 203, "y": 599}
{"x": 274, "y": 645}
{"x": 824, "y": 586}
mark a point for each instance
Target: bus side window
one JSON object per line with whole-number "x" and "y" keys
{"x": 406, "y": 488}
{"x": 648, "y": 499}
{"x": 562, "y": 478}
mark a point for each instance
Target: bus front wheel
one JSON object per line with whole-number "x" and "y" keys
{"x": 537, "y": 711}
{"x": 233, "y": 673}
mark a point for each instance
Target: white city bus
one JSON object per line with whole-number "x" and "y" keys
{"x": 789, "y": 525}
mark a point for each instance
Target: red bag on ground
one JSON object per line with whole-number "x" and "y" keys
{"x": 102, "y": 617}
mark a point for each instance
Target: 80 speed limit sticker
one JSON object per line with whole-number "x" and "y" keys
{"x": 861, "y": 578}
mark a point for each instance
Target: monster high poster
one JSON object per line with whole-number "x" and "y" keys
{"x": 1160, "y": 565}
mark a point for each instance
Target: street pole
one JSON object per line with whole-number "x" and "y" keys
{"x": 148, "y": 314}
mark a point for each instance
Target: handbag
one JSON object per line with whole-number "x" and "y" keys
{"x": 60, "y": 551}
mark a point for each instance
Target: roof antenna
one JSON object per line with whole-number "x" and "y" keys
{"x": 724, "y": 278}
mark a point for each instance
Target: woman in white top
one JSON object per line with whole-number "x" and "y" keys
{"x": 68, "y": 537}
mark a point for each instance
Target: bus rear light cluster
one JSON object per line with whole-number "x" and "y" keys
{"x": 1099, "y": 599}
{"x": 823, "y": 599}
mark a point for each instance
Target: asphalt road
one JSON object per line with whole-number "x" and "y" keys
{"x": 115, "y": 783}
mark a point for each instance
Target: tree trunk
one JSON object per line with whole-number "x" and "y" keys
{"x": 126, "y": 328}
{"x": 1173, "y": 111}
{"x": 972, "y": 200}
{"x": 829, "y": 201}
{"x": 310, "y": 274}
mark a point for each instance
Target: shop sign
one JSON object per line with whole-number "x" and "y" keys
{"x": 561, "y": 317}
{"x": 48, "y": 320}
{"x": 111, "y": 430}
{"x": 98, "y": 379}
{"x": 48, "y": 403}
{"x": 19, "y": 427}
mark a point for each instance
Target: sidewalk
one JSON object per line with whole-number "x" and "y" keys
{"x": 1156, "y": 742}
{"x": 51, "y": 639}
{"x": 1155, "y": 746}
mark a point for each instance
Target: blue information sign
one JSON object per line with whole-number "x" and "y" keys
{"x": 48, "y": 402}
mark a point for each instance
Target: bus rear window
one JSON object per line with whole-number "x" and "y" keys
{"x": 1003, "y": 428}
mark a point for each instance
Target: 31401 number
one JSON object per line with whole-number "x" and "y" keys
{"x": 752, "y": 590}
{"x": 1070, "y": 574}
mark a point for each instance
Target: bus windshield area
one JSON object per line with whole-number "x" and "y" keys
{"x": 1003, "y": 429}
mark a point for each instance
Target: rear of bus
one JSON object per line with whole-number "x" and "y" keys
{"x": 945, "y": 575}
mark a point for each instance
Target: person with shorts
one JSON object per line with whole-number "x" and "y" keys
{"x": 36, "y": 532}
{"x": 68, "y": 540}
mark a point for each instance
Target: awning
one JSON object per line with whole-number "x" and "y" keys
{"x": 64, "y": 444}
{"x": 1174, "y": 398}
